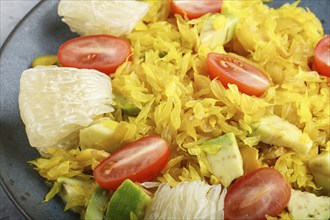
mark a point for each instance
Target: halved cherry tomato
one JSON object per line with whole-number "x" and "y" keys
{"x": 140, "y": 161}
{"x": 322, "y": 56}
{"x": 228, "y": 69}
{"x": 259, "y": 193}
{"x": 195, "y": 9}
{"x": 101, "y": 52}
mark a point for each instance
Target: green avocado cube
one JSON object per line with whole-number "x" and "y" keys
{"x": 128, "y": 201}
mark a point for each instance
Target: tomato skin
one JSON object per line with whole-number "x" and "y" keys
{"x": 101, "y": 52}
{"x": 231, "y": 70}
{"x": 195, "y": 9}
{"x": 322, "y": 56}
{"x": 139, "y": 161}
{"x": 261, "y": 192}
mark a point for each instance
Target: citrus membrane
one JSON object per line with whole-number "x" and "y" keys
{"x": 55, "y": 102}
{"x": 102, "y": 17}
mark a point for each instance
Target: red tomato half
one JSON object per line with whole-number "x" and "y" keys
{"x": 195, "y": 9}
{"x": 228, "y": 69}
{"x": 261, "y": 192}
{"x": 139, "y": 161}
{"x": 322, "y": 56}
{"x": 101, "y": 52}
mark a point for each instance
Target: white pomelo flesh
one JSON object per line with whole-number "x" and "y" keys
{"x": 92, "y": 17}
{"x": 188, "y": 200}
{"x": 55, "y": 102}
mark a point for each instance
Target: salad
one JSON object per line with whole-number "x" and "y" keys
{"x": 184, "y": 110}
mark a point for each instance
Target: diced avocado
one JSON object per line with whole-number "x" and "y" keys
{"x": 277, "y": 131}
{"x": 124, "y": 133}
{"x": 97, "y": 204}
{"x": 320, "y": 168}
{"x": 218, "y": 30}
{"x": 126, "y": 106}
{"x": 305, "y": 205}
{"x": 127, "y": 201}
{"x": 107, "y": 135}
{"x": 227, "y": 162}
{"x": 92, "y": 136}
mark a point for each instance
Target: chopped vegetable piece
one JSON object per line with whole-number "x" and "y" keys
{"x": 97, "y": 204}
{"x": 141, "y": 160}
{"x": 123, "y": 134}
{"x": 101, "y": 52}
{"x": 129, "y": 199}
{"x": 126, "y": 106}
{"x": 74, "y": 191}
{"x": 218, "y": 30}
{"x": 45, "y": 61}
{"x": 320, "y": 168}
{"x": 93, "y": 135}
{"x": 227, "y": 163}
{"x": 305, "y": 205}
{"x": 277, "y": 131}
{"x": 257, "y": 194}
{"x": 195, "y": 9}
{"x": 228, "y": 69}
{"x": 322, "y": 56}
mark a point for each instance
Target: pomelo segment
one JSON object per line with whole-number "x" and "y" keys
{"x": 188, "y": 200}
{"x": 55, "y": 102}
{"x": 102, "y": 17}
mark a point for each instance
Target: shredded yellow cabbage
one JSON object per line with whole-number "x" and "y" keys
{"x": 283, "y": 215}
{"x": 74, "y": 191}
{"x": 62, "y": 163}
{"x": 294, "y": 168}
{"x": 168, "y": 80}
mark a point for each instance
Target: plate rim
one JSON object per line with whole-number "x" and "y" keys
{"x": 3, "y": 47}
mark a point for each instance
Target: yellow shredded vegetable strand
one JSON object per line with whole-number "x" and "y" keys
{"x": 62, "y": 163}
{"x": 168, "y": 80}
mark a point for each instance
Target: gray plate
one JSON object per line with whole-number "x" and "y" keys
{"x": 40, "y": 33}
